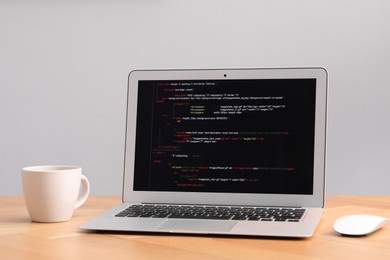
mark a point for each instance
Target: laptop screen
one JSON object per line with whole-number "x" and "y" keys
{"x": 225, "y": 135}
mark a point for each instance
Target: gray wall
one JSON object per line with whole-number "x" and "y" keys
{"x": 64, "y": 67}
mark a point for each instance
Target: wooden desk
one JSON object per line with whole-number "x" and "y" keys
{"x": 22, "y": 239}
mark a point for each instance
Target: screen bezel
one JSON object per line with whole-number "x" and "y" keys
{"x": 313, "y": 200}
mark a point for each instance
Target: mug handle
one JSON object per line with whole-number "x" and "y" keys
{"x": 84, "y": 191}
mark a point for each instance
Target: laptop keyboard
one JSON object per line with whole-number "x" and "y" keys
{"x": 213, "y": 212}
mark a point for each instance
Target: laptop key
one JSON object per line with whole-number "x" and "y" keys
{"x": 239, "y": 218}
{"x": 200, "y": 217}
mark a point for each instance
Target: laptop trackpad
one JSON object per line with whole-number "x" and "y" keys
{"x": 191, "y": 225}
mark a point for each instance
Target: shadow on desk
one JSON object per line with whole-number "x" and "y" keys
{"x": 165, "y": 234}
{"x": 15, "y": 220}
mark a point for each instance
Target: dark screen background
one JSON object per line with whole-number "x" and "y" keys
{"x": 246, "y": 136}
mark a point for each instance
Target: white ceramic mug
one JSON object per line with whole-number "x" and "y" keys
{"x": 51, "y": 193}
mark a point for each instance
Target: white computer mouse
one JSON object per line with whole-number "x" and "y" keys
{"x": 359, "y": 225}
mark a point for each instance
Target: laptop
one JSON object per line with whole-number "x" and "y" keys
{"x": 223, "y": 151}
